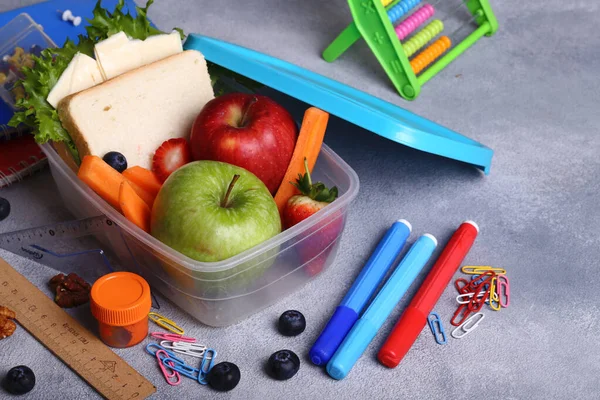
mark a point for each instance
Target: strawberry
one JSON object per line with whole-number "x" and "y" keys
{"x": 315, "y": 248}
{"x": 312, "y": 198}
{"x": 171, "y": 155}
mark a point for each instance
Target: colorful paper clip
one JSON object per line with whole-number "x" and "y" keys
{"x": 481, "y": 280}
{"x": 205, "y": 365}
{"x": 163, "y": 368}
{"x": 460, "y": 315}
{"x": 467, "y": 326}
{"x": 158, "y": 347}
{"x": 188, "y": 349}
{"x": 165, "y": 323}
{"x": 435, "y": 324}
{"x": 172, "y": 337}
{"x": 465, "y": 298}
{"x": 181, "y": 367}
{"x": 494, "y": 298}
{"x": 479, "y": 269}
{"x": 503, "y": 290}
{"x": 462, "y": 285}
{"x": 477, "y": 303}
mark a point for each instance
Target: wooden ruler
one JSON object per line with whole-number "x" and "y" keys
{"x": 77, "y": 347}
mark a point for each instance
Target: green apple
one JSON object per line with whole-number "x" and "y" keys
{"x": 211, "y": 211}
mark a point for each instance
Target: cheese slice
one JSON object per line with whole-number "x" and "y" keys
{"x": 117, "y": 54}
{"x": 158, "y": 47}
{"x": 110, "y": 49}
{"x": 81, "y": 73}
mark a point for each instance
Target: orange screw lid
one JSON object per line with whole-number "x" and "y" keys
{"x": 120, "y": 299}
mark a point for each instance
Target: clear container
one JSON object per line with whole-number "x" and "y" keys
{"x": 225, "y": 292}
{"x": 21, "y": 32}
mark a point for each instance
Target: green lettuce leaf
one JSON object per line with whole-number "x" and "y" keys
{"x": 105, "y": 23}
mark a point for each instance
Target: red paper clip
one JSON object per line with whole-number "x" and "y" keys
{"x": 463, "y": 312}
{"x": 480, "y": 281}
{"x": 462, "y": 285}
{"x": 476, "y": 303}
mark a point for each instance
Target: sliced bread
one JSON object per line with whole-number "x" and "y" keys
{"x": 137, "y": 111}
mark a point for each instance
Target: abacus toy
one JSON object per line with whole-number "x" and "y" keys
{"x": 401, "y": 49}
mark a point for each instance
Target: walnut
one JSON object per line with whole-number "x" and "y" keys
{"x": 7, "y": 325}
{"x": 70, "y": 290}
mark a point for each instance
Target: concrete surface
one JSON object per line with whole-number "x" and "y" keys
{"x": 531, "y": 93}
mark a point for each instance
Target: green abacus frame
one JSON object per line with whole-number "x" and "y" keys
{"x": 373, "y": 24}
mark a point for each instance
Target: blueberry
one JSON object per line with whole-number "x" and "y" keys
{"x": 116, "y": 160}
{"x": 4, "y": 208}
{"x": 291, "y": 323}
{"x": 224, "y": 376}
{"x": 283, "y": 364}
{"x": 19, "y": 380}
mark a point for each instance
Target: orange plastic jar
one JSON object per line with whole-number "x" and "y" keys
{"x": 121, "y": 302}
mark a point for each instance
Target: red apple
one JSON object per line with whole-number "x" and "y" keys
{"x": 250, "y": 131}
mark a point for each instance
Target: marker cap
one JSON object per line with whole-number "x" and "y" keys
{"x": 335, "y": 331}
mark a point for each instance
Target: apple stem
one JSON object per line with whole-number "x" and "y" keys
{"x": 225, "y": 201}
{"x": 245, "y": 115}
{"x": 307, "y": 171}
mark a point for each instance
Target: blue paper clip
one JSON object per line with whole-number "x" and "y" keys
{"x": 439, "y": 334}
{"x": 181, "y": 367}
{"x": 205, "y": 365}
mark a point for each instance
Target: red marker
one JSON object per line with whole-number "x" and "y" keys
{"x": 414, "y": 318}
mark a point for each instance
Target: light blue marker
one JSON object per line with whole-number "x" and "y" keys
{"x": 365, "y": 329}
{"x": 363, "y": 288}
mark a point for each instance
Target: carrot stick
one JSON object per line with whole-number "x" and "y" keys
{"x": 308, "y": 145}
{"x": 134, "y": 207}
{"x": 102, "y": 178}
{"x": 144, "y": 178}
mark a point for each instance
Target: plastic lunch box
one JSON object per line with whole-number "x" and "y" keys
{"x": 22, "y": 32}
{"x": 220, "y": 293}
{"x": 225, "y": 292}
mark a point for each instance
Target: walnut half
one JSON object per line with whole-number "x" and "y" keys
{"x": 7, "y": 325}
{"x": 70, "y": 290}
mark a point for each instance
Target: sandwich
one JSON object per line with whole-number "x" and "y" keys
{"x": 134, "y": 113}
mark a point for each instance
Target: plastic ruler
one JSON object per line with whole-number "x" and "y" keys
{"x": 38, "y": 243}
{"x": 77, "y": 347}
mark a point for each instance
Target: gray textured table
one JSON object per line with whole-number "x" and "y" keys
{"x": 532, "y": 94}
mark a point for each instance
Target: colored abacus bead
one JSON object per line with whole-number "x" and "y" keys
{"x": 416, "y": 42}
{"x": 411, "y": 23}
{"x": 427, "y": 56}
{"x": 386, "y": 2}
{"x": 400, "y": 9}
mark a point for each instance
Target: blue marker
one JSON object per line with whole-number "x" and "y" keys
{"x": 363, "y": 288}
{"x": 366, "y": 328}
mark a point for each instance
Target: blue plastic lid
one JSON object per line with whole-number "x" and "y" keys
{"x": 373, "y": 114}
